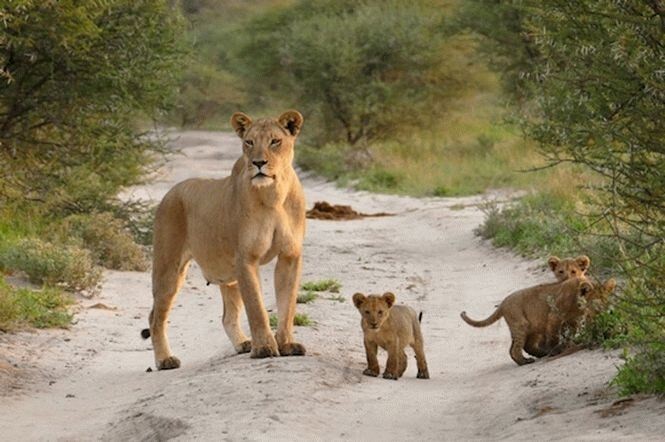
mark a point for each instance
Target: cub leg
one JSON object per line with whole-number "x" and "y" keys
{"x": 263, "y": 342}
{"x": 287, "y": 281}
{"x": 372, "y": 362}
{"x": 393, "y": 362}
{"x": 403, "y": 362}
{"x": 518, "y": 334}
{"x": 165, "y": 285}
{"x": 419, "y": 348}
{"x": 231, "y": 317}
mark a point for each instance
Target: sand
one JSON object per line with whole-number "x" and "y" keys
{"x": 91, "y": 382}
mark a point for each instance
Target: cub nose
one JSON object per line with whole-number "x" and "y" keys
{"x": 259, "y": 163}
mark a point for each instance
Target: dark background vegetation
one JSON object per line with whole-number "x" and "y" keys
{"x": 426, "y": 98}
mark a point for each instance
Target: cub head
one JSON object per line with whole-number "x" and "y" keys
{"x": 568, "y": 268}
{"x": 374, "y": 309}
{"x": 599, "y": 297}
{"x": 267, "y": 145}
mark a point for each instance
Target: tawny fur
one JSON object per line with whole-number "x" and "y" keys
{"x": 535, "y": 316}
{"x": 391, "y": 327}
{"x": 230, "y": 226}
{"x": 569, "y": 268}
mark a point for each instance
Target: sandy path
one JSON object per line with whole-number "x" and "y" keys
{"x": 91, "y": 382}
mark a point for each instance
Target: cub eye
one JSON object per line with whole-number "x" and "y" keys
{"x": 367, "y": 312}
{"x": 561, "y": 271}
{"x": 573, "y": 272}
{"x": 380, "y": 312}
{"x": 275, "y": 142}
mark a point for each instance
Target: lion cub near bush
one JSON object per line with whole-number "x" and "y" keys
{"x": 536, "y": 314}
{"x": 568, "y": 268}
{"x": 391, "y": 327}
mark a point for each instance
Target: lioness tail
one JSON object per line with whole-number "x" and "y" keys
{"x": 485, "y": 322}
{"x": 145, "y": 333}
{"x": 420, "y": 317}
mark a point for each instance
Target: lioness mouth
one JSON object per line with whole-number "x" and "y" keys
{"x": 262, "y": 175}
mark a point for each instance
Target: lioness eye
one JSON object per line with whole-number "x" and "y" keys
{"x": 249, "y": 143}
{"x": 275, "y": 142}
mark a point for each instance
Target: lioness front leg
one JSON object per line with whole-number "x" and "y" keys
{"x": 231, "y": 317}
{"x": 263, "y": 342}
{"x": 372, "y": 362}
{"x": 287, "y": 280}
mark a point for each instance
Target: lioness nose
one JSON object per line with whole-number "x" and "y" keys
{"x": 259, "y": 163}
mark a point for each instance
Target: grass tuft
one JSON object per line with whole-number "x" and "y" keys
{"x": 300, "y": 320}
{"x": 323, "y": 285}
{"x": 34, "y": 308}
{"x": 306, "y": 298}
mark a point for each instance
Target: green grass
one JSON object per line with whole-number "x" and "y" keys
{"x": 306, "y": 298}
{"x": 20, "y": 308}
{"x": 323, "y": 285}
{"x": 299, "y": 320}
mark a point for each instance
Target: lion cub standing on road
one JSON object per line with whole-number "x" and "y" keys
{"x": 392, "y": 327}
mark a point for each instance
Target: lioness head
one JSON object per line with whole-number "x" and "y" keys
{"x": 568, "y": 268}
{"x": 267, "y": 145}
{"x": 374, "y": 308}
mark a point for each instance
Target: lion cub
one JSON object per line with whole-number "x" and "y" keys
{"x": 568, "y": 268}
{"x": 392, "y": 327}
{"x": 536, "y": 314}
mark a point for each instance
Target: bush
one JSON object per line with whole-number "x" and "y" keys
{"x": 105, "y": 236}
{"x": 322, "y": 285}
{"x": 37, "y": 308}
{"x": 56, "y": 265}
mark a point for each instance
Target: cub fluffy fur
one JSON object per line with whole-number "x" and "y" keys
{"x": 536, "y": 314}
{"x": 230, "y": 226}
{"x": 568, "y": 268}
{"x": 391, "y": 327}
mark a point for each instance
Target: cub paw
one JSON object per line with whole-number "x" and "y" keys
{"x": 263, "y": 352}
{"x": 370, "y": 372}
{"x": 424, "y": 374}
{"x": 387, "y": 375}
{"x": 169, "y": 363}
{"x": 292, "y": 349}
{"x": 527, "y": 361}
{"x": 244, "y": 347}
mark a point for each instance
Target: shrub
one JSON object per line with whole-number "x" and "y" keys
{"x": 323, "y": 285}
{"x": 306, "y": 298}
{"x": 45, "y": 263}
{"x": 107, "y": 239}
{"x": 37, "y": 308}
{"x": 300, "y": 320}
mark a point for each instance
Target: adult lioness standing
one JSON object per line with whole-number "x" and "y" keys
{"x": 230, "y": 226}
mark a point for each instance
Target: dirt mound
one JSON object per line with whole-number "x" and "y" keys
{"x": 335, "y": 212}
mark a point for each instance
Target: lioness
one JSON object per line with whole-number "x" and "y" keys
{"x": 535, "y": 315}
{"x": 569, "y": 267}
{"x": 392, "y": 327}
{"x": 230, "y": 226}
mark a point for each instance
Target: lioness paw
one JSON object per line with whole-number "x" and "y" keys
{"x": 370, "y": 372}
{"x": 423, "y": 374}
{"x": 244, "y": 347}
{"x": 387, "y": 375}
{"x": 263, "y": 352}
{"x": 292, "y": 349}
{"x": 169, "y": 363}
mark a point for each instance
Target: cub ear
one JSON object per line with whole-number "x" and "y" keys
{"x": 610, "y": 285}
{"x": 552, "y": 262}
{"x": 583, "y": 262}
{"x": 585, "y": 288}
{"x": 389, "y": 298}
{"x": 240, "y": 122}
{"x": 359, "y": 299}
{"x": 291, "y": 120}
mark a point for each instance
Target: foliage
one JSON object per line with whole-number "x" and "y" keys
{"x": 37, "y": 308}
{"x": 108, "y": 240}
{"x": 322, "y": 285}
{"x": 299, "y": 320}
{"x": 70, "y": 267}
{"x": 306, "y": 298}
{"x": 75, "y": 77}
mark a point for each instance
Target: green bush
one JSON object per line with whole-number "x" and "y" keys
{"x": 322, "y": 285}
{"x": 37, "y": 308}
{"x": 69, "y": 267}
{"x": 306, "y": 298}
{"x": 105, "y": 236}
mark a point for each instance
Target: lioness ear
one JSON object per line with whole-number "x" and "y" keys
{"x": 358, "y": 299}
{"x": 585, "y": 288}
{"x": 291, "y": 120}
{"x": 389, "y": 298}
{"x": 584, "y": 262}
{"x": 240, "y": 122}
{"x": 610, "y": 285}
{"x": 553, "y": 262}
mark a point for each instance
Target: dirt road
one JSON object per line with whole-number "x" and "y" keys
{"x": 91, "y": 382}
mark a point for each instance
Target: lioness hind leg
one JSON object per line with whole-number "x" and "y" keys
{"x": 166, "y": 285}
{"x": 287, "y": 280}
{"x": 518, "y": 334}
{"x": 231, "y": 317}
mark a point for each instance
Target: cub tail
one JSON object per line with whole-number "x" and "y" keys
{"x": 485, "y": 322}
